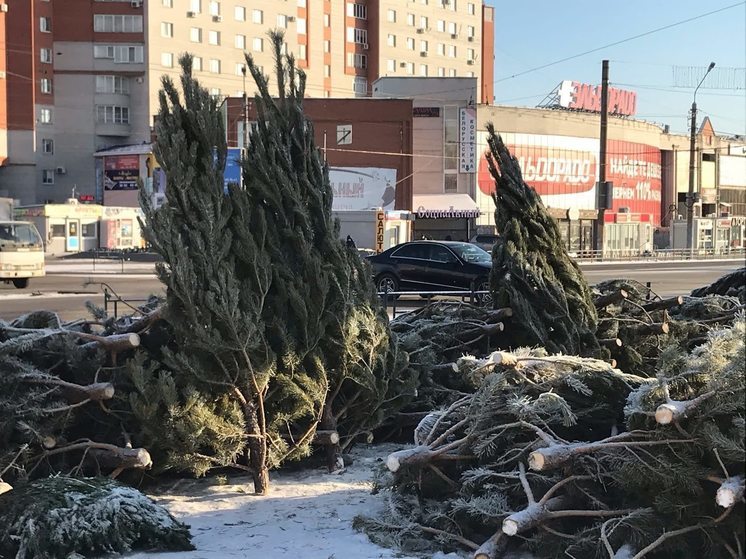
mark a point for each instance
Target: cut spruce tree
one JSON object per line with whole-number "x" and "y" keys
{"x": 279, "y": 342}
{"x": 531, "y": 270}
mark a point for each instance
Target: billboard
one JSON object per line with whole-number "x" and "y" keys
{"x": 564, "y": 171}
{"x": 121, "y": 172}
{"x": 732, "y": 170}
{"x": 232, "y": 172}
{"x": 362, "y": 188}
{"x": 587, "y": 97}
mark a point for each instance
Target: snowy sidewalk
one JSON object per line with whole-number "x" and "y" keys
{"x": 307, "y": 514}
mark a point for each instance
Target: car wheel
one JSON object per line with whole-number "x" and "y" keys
{"x": 21, "y": 283}
{"x": 386, "y": 283}
{"x": 483, "y": 299}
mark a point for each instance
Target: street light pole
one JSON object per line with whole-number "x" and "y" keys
{"x": 690, "y": 198}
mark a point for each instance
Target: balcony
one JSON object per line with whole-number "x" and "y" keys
{"x": 112, "y": 129}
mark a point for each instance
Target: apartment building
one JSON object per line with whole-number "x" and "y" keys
{"x": 80, "y": 76}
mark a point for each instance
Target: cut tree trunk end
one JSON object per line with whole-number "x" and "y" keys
{"x": 664, "y": 304}
{"x": 611, "y": 298}
{"x": 411, "y": 456}
{"x": 730, "y": 492}
{"x": 531, "y": 516}
{"x": 653, "y": 328}
{"x": 5, "y": 487}
{"x": 122, "y": 458}
{"x": 674, "y": 410}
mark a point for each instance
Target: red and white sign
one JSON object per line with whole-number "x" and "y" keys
{"x": 587, "y": 97}
{"x": 564, "y": 171}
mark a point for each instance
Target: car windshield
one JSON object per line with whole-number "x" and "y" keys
{"x": 471, "y": 253}
{"x": 19, "y": 234}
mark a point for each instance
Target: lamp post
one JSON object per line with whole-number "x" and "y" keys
{"x": 690, "y": 198}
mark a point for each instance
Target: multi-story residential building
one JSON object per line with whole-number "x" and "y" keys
{"x": 83, "y": 75}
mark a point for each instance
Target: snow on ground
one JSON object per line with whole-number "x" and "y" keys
{"x": 308, "y": 514}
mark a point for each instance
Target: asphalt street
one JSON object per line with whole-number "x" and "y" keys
{"x": 66, "y": 293}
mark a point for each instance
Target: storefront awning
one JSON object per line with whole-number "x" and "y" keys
{"x": 444, "y": 206}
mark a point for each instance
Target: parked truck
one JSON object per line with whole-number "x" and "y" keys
{"x": 21, "y": 248}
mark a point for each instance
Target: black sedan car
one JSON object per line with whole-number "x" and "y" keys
{"x": 432, "y": 266}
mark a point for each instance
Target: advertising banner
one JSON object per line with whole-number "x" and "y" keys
{"x": 564, "y": 171}
{"x": 467, "y": 128}
{"x": 362, "y": 188}
{"x": 121, "y": 172}
{"x": 232, "y": 172}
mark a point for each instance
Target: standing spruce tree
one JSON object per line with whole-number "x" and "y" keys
{"x": 531, "y": 270}
{"x": 277, "y": 330}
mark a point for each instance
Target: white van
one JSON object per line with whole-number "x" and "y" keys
{"x": 21, "y": 253}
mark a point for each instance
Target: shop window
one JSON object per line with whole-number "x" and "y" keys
{"x": 58, "y": 231}
{"x": 450, "y": 182}
{"x": 89, "y": 230}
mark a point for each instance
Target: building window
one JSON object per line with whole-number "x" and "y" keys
{"x": 197, "y": 64}
{"x": 257, "y": 16}
{"x": 240, "y": 42}
{"x": 47, "y": 176}
{"x": 45, "y": 55}
{"x": 239, "y": 13}
{"x": 441, "y": 26}
{"x": 450, "y": 138}
{"x": 195, "y": 6}
{"x": 410, "y": 20}
{"x": 258, "y": 45}
{"x": 452, "y": 73}
{"x": 410, "y": 43}
{"x": 360, "y": 36}
{"x": 45, "y": 116}
{"x": 391, "y": 16}
{"x": 167, "y": 59}
{"x": 46, "y": 85}
{"x": 360, "y": 86}
{"x": 327, "y": 46}
{"x": 213, "y": 37}
{"x": 358, "y": 11}
{"x": 450, "y": 182}
{"x": 327, "y": 71}
{"x": 423, "y": 70}
{"x": 452, "y": 51}
{"x": 214, "y": 66}
{"x": 471, "y": 8}
{"x": 195, "y": 34}
{"x": 240, "y": 69}
{"x": 470, "y": 54}
{"x": 89, "y": 230}
{"x": 112, "y": 84}
{"x": 423, "y": 22}
{"x": 452, "y": 27}
{"x": 301, "y": 3}
{"x": 423, "y": 46}
{"x": 357, "y": 60}
{"x": 410, "y": 68}
{"x": 112, "y": 23}
{"x": 327, "y": 21}
{"x": 391, "y": 41}
{"x": 214, "y": 8}
{"x": 441, "y": 49}
{"x": 167, "y": 3}
{"x": 391, "y": 65}
{"x": 215, "y": 92}
{"x": 449, "y": 5}
{"x": 282, "y": 21}
{"x": 470, "y": 74}
{"x": 300, "y": 26}
{"x": 167, "y": 29}
{"x": 112, "y": 114}
{"x": 302, "y": 52}
{"x": 470, "y": 31}
{"x": 47, "y": 146}
{"x": 45, "y": 24}
{"x": 441, "y": 72}
{"x": 123, "y": 54}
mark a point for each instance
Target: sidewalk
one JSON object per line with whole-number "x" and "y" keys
{"x": 90, "y": 266}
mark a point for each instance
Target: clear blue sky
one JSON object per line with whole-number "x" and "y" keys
{"x": 531, "y": 33}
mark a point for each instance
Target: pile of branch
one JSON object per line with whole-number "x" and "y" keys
{"x": 568, "y": 457}
{"x": 731, "y": 285}
{"x": 54, "y": 377}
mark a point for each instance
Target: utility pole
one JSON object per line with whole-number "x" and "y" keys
{"x": 245, "y": 111}
{"x": 690, "y": 197}
{"x": 602, "y": 194}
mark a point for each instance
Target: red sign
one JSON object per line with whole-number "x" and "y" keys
{"x": 586, "y": 97}
{"x": 122, "y": 162}
{"x": 548, "y": 169}
{"x": 635, "y": 170}
{"x": 121, "y": 172}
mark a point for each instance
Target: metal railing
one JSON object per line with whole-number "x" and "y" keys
{"x": 665, "y": 255}
{"x": 113, "y": 300}
{"x": 389, "y": 298}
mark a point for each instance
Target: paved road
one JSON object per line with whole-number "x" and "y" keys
{"x": 66, "y": 293}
